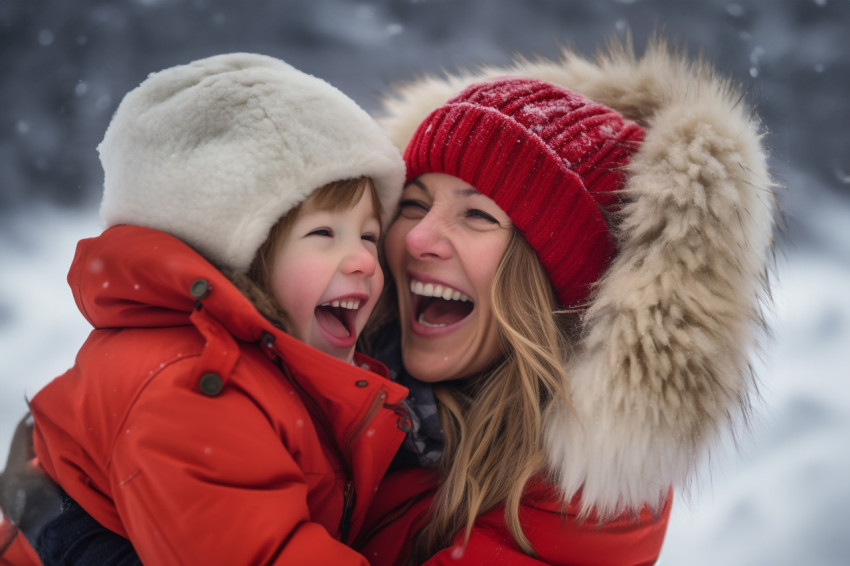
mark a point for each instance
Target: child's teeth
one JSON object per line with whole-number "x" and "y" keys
{"x": 352, "y": 304}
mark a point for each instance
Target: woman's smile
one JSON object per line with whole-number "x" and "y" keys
{"x": 443, "y": 250}
{"x": 437, "y": 307}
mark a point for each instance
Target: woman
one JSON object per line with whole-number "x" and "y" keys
{"x": 582, "y": 285}
{"x": 600, "y": 272}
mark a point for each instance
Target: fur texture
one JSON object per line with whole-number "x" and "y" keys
{"x": 663, "y": 366}
{"x": 216, "y": 151}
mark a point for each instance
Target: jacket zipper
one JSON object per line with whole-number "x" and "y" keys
{"x": 403, "y": 423}
{"x": 349, "y": 498}
{"x": 350, "y": 494}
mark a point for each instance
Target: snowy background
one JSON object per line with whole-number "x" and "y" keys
{"x": 781, "y": 498}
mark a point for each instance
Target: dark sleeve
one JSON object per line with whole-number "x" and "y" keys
{"x": 74, "y": 537}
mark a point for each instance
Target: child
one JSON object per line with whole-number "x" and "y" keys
{"x": 191, "y": 423}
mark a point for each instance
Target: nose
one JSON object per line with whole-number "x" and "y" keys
{"x": 360, "y": 259}
{"x": 427, "y": 239}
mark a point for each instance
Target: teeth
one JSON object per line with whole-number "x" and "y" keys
{"x": 436, "y": 290}
{"x": 421, "y": 320}
{"x": 352, "y": 304}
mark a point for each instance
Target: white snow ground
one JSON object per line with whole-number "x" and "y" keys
{"x": 782, "y": 499}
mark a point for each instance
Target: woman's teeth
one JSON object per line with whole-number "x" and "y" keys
{"x": 440, "y": 314}
{"x": 421, "y": 320}
{"x": 437, "y": 290}
{"x": 352, "y": 304}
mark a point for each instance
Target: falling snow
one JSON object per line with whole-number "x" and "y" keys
{"x": 782, "y": 499}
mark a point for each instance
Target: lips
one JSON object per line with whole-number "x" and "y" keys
{"x": 438, "y": 306}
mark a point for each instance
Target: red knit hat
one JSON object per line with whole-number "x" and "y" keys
{"x": 548, "y": 157}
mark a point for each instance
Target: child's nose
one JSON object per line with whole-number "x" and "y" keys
{"x": 360, "y": 258}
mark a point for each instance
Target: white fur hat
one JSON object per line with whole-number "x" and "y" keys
{"x": 216, "y": 151}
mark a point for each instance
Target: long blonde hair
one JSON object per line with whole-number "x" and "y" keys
{"x": 493, "y": 424}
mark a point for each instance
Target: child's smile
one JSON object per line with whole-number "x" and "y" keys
{"x": 326, "y": 275}
{"x": 337, "y": 319}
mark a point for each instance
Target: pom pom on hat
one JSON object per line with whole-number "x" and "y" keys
{"x": 216, "y": 151}
{"x": 550, "y": 158}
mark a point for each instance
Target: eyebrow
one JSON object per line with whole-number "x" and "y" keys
{"x": 467, "y": 192}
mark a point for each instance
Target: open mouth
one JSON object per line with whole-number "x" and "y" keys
{"x": 337, "y": 317}
{"x": 437, "y": 305}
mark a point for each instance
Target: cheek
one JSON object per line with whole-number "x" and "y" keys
{"x": 481, "y": 263}
{"x": 289, "y": 272}
{"x": 284, "y": 288}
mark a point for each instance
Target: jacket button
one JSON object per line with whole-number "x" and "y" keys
{"x": 200, "y": 289}
{"x": 362, "y": 383}
{"x": 211, "y": 384}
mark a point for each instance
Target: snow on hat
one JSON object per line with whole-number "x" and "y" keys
{"x": 550, "y": 158}
{"x": 216, "y": 151}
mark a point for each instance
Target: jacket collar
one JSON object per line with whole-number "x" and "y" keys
{"x": 132, "y": 276}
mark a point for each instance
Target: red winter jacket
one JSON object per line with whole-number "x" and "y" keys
{"x": 14, "y": 548}
{"x": 401, "y": 509}
{"x": 177, "y": 428}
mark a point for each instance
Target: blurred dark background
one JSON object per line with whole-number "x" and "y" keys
{"x": 65, "y": 66}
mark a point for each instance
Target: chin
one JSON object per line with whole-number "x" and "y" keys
{"x": 426, "y": 369}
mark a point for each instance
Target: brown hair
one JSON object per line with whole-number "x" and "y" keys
{"x": 256, "y": 284}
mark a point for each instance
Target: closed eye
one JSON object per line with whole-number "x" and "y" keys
{"x": 370, "y": 238}
{"x": 410, "y": 208}
{"x": 476, "y": 213}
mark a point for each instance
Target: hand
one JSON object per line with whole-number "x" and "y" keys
{"x": 28, "y": 498}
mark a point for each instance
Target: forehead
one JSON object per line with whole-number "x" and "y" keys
{"x": 455, "y": 186}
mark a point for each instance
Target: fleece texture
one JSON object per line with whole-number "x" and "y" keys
{"x": 662, "y": 368}
{"x": 216, "y": 151}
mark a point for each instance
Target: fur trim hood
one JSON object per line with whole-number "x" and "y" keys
{"x": 663, "y": 367}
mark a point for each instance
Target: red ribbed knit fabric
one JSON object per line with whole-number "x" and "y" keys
{"x": 550, "y": 158}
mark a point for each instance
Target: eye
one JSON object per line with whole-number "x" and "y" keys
{"x": 326, "y": 232}
{"x": 412, "y": 208}
{"x": 370, "y": 237}
{"x": 480, "y": 214}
